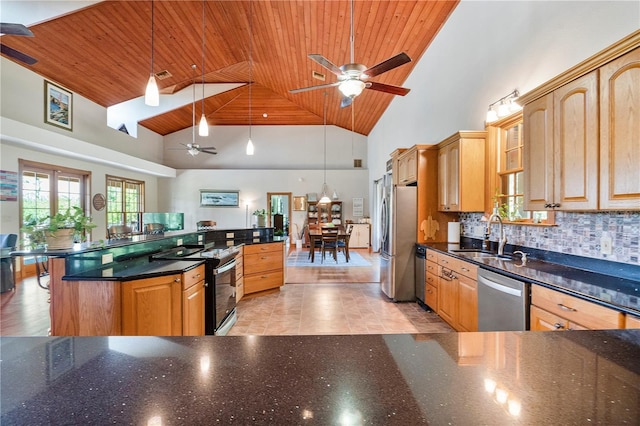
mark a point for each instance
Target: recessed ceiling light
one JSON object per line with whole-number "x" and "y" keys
{"x": 265, "y": 115}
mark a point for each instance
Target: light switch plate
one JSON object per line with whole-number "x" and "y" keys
{"x": 606, "y": 244}
{"x": 179, "y": 241}
{"x": 107, "y": 258}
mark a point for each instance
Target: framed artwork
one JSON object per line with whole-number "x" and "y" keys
{"x": 300, "y": 203}
{"x": 358, "y": 207}
{"x": 58, "y": 106}
{"x": 215, "y": 198}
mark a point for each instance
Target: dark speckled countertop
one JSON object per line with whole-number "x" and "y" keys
{"x": 614, "y": 292}
{"x": 524, "y": 378}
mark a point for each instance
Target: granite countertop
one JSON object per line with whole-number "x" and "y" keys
{"x": 618, "y": 293}
{"x": 135, "y": 269}
{"x": 578, "y": 377}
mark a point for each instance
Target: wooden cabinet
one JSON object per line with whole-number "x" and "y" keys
{"x": 318, "y": 213}
{"x": 620, "y": 133}
{"x": 457, "y": 292}
{"x": 561, "y": 148}
{"x": 631, "y": 321}
{"x": 193, "y": 285}
{"x": 582, "y": 137}
{"x": 461, "y": 159}
{"x": 360, "y": 236}
{"x": 152, "y": 306}
{"x": 432, "y": 280}
{"x": 240, "y": 274}
{"x": 408, "y": 167}
{"x": 554, "y": 310}
{"x": 263, "y": 267}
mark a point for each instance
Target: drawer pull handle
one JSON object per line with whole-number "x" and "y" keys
{"x": 196, "y": 276}
{"x": 465, "y": 269}
{"x": 566, "y": 308}
{"x": 558, "y": 326}
{"x": 177, "y": 280}
{"x": 444, "y": 261}
{"x": 264, "y": 277}
{"x": 264, "y": 257}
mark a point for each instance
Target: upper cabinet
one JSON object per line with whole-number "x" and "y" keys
{"x": 408, "y": 167}
{"x": 461, "y": 179}
{"x": 320, "y": 214}
{"x": 582, "y": 135}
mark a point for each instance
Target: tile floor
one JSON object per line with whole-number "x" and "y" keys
{"x": 332, "y": 301}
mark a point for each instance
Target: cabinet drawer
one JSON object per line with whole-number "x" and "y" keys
{"x": 459, "y": 266}
{"x": 431, "y": 296}
{"x": 262, "y": 262}
{"x": 632, "y": 322}
{"x": 432, "y": 279}
{"x": 253, "y": 283}
{"x": 448, "y": 262}
{"x": 262, "y": 248}
{"x": 239, "y": 289}
{"x": 432, "y": 256}
{"x": 432, "y": 268}
{"x": 192, "y": 277}
{"x": 575, "y": 310}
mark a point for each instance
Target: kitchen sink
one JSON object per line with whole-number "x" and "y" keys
{"x": 481, "y": 254}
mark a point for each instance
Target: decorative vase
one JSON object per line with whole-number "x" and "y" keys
{"x": 262, "y": 221}
{"x": 60, "y": 239}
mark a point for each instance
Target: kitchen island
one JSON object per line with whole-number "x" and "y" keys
{"x": 582, "y": 377}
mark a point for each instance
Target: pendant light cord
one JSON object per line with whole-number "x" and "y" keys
{"x": 250, "y": 60}
{"x": 152, "y": 49}
{"x": 193, "y": 106}
{"x": 352, "y": 60}
{"x": 203, "y": 39}
{"x": 325, "y": 138}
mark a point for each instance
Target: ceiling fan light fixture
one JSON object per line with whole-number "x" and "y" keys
{"x": 203, "y": 127}
{"x": 193, "y": 151}
{"x": 351, "y": 88}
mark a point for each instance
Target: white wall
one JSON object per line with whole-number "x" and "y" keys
{"x": 484, "y": 51}
{"x": 182, "y": 194}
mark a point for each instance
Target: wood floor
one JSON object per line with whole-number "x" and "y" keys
{"x": 314, "y": 300}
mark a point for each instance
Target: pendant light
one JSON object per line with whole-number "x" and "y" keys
{"x": 152, "y": 95}
{"x": 324, "y": 198}
{"x": 250, "y": 147}
{"x": 203, "y": 129}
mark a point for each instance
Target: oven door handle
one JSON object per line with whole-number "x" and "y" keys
{"x": 225, "y": 267}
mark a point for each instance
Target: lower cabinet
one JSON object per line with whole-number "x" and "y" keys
{"x": 632, "y": 322}
{"x": 554, "y": 310}
{"x": 240, "y": 274}
{"x": 360, "y": 236}
{"x": 263, "y": 267}
{"x": 457, "y": 293}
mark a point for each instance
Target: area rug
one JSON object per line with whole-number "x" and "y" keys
{"x": 301, "y": 258}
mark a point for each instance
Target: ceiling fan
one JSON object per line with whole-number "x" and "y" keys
{"x": 17, "y": 30}
{"x": 193, "y": 148}
{"x": 352, "y": 77}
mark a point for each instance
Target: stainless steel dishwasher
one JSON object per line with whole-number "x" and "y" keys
{"x": 503, "y": 302}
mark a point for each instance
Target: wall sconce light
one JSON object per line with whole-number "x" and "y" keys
{"x": 503, "y": 106}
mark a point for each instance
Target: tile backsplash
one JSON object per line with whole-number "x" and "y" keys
{"x": 576, "y": 233}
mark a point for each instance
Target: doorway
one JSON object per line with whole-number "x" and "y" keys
{"x": 279, "y": 212}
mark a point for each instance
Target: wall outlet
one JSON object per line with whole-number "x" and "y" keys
{"x": 179, "y": 241}
{"x": 606, "y": 244}
{"x": 107, "y": 258}
{"x": 200, "y": 238}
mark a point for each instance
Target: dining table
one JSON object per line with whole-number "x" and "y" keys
{"x": 315, "y": 234}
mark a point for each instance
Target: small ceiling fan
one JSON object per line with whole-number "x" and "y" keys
{"x": 193, "y": 148}
{"x": 17, "y": 30}
{"x": 352, "y": 77}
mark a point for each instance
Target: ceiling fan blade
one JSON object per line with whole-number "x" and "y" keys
{"x": 206, "y": 147}
{"x": 345, "y": 102}
{"x": 387, "y": 65}
{"x": 13, "y": 53}
{"x": 15, "y": 29}
{"x": 325, "y": 63}
{"x": 322, "y": 86}
{"x": 387, "y": 88}
{"x": 209, "y": 152}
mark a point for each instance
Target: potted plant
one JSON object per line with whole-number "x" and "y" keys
{"x": 58, "y": 231}
{"x": 261, "y": 217}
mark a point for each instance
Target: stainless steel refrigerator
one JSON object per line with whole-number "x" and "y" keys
{"x": 398, "y": 222}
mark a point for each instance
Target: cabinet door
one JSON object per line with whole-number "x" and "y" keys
{"x": 152, "y": 307}
{"x": 442, "y": 179}
{"x": 620, "y": 133}
{"x": 542, "y": 320}
{"x": 453, "y": 177}
{"x": 448, "y": 300}
{"x": 575, "y": 140}
{"x": 538, "y": 153}
{"x": 431, "y": 292}
{"x": 193, "y": 310}
{"x": 467, "y": 304}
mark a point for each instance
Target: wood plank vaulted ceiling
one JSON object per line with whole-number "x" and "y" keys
{"x": 103, "y": 53}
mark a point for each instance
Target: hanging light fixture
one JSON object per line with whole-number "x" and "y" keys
{"x": 203, "y": 129}
{"x": 250, "y": 147}
{"x": 191, "y": 147}
{"x": 503, "y": 106}
{"x": 151, "y": 94}
{"x": 324, "y": 198}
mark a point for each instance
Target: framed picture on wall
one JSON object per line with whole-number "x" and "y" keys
{"x": 216, "y": 198}
{"x": 58, "y": 106}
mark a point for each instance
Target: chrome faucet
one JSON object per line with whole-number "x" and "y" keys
{"x": 502, "y": 239}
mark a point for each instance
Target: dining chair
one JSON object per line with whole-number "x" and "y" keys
{"x": 119, "y": 232}
{"x": 330, "y": 243}
{"x": 314, "y": 243}
{"x": 343, "y": 241}
{"x": 153, "y": 228}
{"x": 206, "y": 225}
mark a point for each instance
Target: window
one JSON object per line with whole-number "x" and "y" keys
{"x": 509, "y": 192}
{"x": 125, "y": 202}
